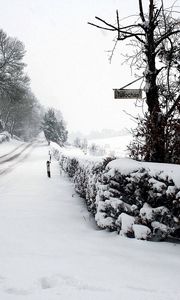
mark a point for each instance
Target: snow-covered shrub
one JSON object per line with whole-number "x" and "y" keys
{"x": 86, "y": 180}
{"x": 134, "y": 201}
{"x": 140, "y": 194}
{"x": 69, "y": 165}
{"x": 56, "y": 153}
{"x": 141, "y": 232}
{"x": 126, "y": 223}
{"x": 159, "y": 219}
{"x": 81, "y": 180}
{"x": 91, "y": 187}
{"x": 91, "y": 192}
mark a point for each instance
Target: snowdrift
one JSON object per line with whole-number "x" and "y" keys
{"x": 133, "y": 198}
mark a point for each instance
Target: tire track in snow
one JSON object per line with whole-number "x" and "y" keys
{"x": 15, "y": 155}
{"x": 12, "y": 151}
{"x": 16, "y": 159}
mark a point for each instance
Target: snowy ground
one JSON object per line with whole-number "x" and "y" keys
{"x": 8, "y": 147}
{"x": 51, "y": 249}
{"x": 116, "y": 146}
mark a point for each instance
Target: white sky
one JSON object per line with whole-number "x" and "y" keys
{"x": 67, "y": 59}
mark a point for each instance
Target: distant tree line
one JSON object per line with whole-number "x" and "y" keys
{"x": 21, "y": 114}
{"x": 20, "y": 111}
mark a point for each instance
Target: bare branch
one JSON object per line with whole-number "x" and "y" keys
{"x": 92, "y": 24}
{"x": 108, "y": 24}
{"x": 130, "y": 35}
{"x": 118, "y": 24}
{"x": 133, "y": 26}
{"x": 135, "y": 119}
{"x": 165, "y": 36}
{"x": 157, "y": 13}
{"x": 141, "y": 11}
{"x": 113, "y": 50}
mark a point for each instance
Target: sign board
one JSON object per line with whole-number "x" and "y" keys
{"x": 127, "y": 94}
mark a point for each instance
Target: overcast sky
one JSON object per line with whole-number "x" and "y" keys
{"x": 68, "y": 59}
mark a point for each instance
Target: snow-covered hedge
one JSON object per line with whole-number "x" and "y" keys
{"x": 4, "y": 136}
{"x": 132, "y": 200}
{"x": 138, "y": 197}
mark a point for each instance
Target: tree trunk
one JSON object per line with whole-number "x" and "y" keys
{"x": 12, "y": 127}
{"x": 156, "y": 136}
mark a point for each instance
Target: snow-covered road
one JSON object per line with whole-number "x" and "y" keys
{"x": 9, "y": 160}
{"x": 50, "y": 248}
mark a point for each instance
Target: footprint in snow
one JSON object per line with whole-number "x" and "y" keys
{"x": 59, "y": 280}
{"x": 16, "y": 291}
{"x": 48, "y": 282}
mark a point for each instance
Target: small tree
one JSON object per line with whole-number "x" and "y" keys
{"x": 54, "y": 130}
{"x": 77, "y": 142}
{"x": 84, "y": 145}
{"x": 62, "y": 132}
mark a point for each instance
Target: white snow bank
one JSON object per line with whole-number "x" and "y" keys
{"x": 68, "y": 150}
{"x": 126, "y": 166}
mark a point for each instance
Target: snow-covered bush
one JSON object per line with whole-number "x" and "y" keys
{"x": 150, "y": 198}
{"x": 134, "y": 201}
{"x": 141, "y": 232}
{"x": 69, "y": 165}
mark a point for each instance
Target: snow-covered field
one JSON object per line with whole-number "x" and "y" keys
{"x": 114, "y": 145}
{"x": 51, "y": 249}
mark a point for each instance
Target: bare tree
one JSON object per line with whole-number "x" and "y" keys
{"x": 155, "y": 36}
